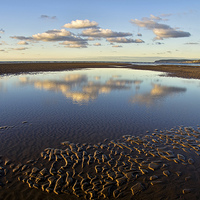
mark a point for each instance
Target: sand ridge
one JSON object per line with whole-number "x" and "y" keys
{"x": 163, "y": 164}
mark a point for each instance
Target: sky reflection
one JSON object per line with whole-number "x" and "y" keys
{"x": 81, "y": 88}
{"x": 156, "y": 93}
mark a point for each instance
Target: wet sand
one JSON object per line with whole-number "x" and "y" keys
{"x": 159, "y": 165}
{"x": 42, "y": 67}
{"x": 171, "y": 70}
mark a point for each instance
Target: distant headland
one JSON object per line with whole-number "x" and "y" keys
{"x": 177, "y": 61}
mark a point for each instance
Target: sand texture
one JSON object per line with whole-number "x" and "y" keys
{"x": 41, "y": 67}
{"x": 160, "y": 165}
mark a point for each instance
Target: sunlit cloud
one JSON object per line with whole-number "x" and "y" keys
{"x": 69, "y": 39}
{"x": 160, "y": 30}
{"x": 97, "y": 44}
{"x": 157, "y": 92}
{"x": 23, "y": 43}
{"x": 104, "y": 33}
{"x": 124, "y": 40}
{"x": 4, "y": 43}
{"x": 20, "y": 49}
{"x": 75, "y": 44}
{"x": 79, "y": 24}
{"x": 53, "y": 35}
{"x": 117, "y": 46}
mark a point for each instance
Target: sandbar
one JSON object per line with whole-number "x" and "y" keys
{"x": 184, "y": 71}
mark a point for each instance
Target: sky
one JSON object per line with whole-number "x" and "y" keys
{"x": 99, "y": 30}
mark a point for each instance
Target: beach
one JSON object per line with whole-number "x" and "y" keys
{"x": 183, "y": 71}
{"x": 36, "y": 163}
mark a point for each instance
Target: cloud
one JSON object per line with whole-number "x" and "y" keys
{"x": 191, "y": 43}
{"x": 124, "y": 40}
{"x": 47, "y": 17}
{"x": 153, "y": 17}
{"x": 157, "y": 92}
{"x": 69, "y": 39}
{"x": 20, "y": 48}
{"x": 21, "y": 38}
{"x": 97, "y": 44}
{"x": 79, "y": 43}
{"x": 117, "y": 46}
{"x": 53, "y": 35}
{"x": 79, "y": 24}
{"x": 2, "y": 31}
{"x": 159, "y": 43}
{"x": 4, "y": 42}
{"x": 160, "y": 30}
{"x": 104, "y": 33}
{"x": 23, "y": 43}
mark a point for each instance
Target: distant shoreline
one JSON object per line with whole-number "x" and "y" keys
{"x": 183, "y": 71}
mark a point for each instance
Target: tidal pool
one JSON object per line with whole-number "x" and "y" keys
{"x": 43, "y": 109}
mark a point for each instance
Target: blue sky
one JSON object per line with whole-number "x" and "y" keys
{"x": 99, "y": 30}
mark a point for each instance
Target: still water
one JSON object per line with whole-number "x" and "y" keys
{"x": 93, "y": 104}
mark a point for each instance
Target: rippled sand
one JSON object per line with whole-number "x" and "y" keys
{"x": 159, "y": 165}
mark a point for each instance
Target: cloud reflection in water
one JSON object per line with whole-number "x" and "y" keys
{"x": 79, "y": 88}
{"x": 157, "y": 92}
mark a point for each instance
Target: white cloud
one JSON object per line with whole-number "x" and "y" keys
{"x": 104, "y": 33}
{"x": 153, "y": 17}
{"x": 79, "y": 24}
{"x": 160, "y": 30}
{"x": 20, "y": 48}
{"x": 75, "y": 44}
{"x": 53, "y": 35}
{"x": 4, "y": 43}
{"x": 117, "y": 46}
{"x": 124, "y": 40}
{"x": 23, "y": 43}
{"x": 69, "y": 39}
{"x": 97, "y": 44}
{"x": 2, "y": 31}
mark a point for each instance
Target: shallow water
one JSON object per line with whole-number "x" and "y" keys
{"x": 90, "y": 105}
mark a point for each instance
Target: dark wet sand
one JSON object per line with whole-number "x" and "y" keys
{"x": 172, "y": 70}
{"x": 160, "y": 165}
{"x": 176, "y": 177}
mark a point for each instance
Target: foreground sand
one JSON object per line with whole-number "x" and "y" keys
{"x": 161, "y": 165}
{"x": 172, "y": 70}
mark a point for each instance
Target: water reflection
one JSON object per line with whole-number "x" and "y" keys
{"x": 157, "y": 92}
{"x": 79, "y": 88}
